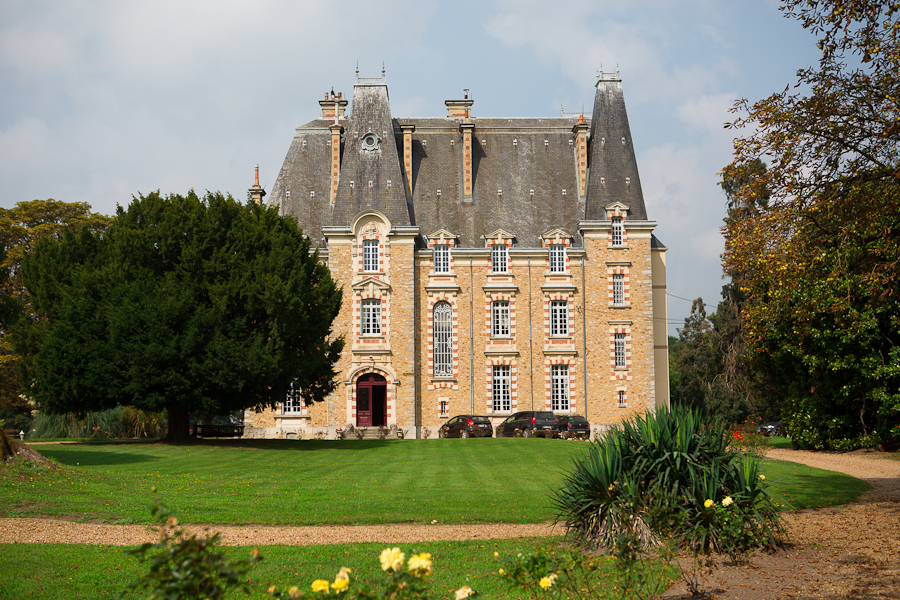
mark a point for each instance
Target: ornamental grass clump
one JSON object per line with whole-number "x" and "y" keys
{"x": 663, "y": 478}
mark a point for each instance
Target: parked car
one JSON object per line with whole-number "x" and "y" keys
{"x": 773, "y": 428}
{"x": 572, "y": 426}
{"x": 466, "y": 426}
{"x": 530, "y": 423}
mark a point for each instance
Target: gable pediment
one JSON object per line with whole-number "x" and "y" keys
{"x": 370, "y": 283}
{"x": 498, "y": 235}
{"x": 556, "y": 235}
{"x": 441, "y": 236}
{"x": 616, "y": 208}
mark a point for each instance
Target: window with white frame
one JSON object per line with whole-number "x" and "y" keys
{"x": 557, "y": 258}
{"x": 500, "y": 388}
{"x": 617, "y": 229}
{"x": 500, "y": 318}
{"x": 370, "y": 255}
{"x": 443, "y": 340}
{"x": 499, "y": 258}
{"x": 621, "y": 398}
{"x": 620, "y": 350}
{"x": 293, "y": 400}
{"x": 559, "y": 387}
{"x": 442, "y": 258}
{"x": 618, "y": 284}
{"x": 559, "y": 318}
{"x": 370, "y": 319}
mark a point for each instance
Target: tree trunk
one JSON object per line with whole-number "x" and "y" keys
{"x": 179, "y": 428}
{"x": 5, "y": 447}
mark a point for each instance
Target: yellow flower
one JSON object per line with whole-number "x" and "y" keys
{"x": 420, "y": 564}
{"x": 464, "y": 592}
{"x": 727, "y": 501}
{"x": 344, "y": 573}
{"x": 391, "y": 559}
{"x": 320, "y": 585}
{"x": 293, "y": 592}
{"x": 340, "y": 585}
{"x": 547, "y": 582}
{"x": 501, "y": 572}
{"x": 762, "y": 476}
{"x": 708, "y": 503}
{"x": 496, "y": 555}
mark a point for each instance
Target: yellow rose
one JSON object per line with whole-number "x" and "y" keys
{"x": 391, "y": 559}
{"x": 708, "y": 503}
{"x": 340, "y": 585}
{"x": 344, "y": 573}
{"x": 762, "y": 476}
{"x": 420, "y": 564}
{"x": 727, "y": 501}
{"x": 464, "y": 592}
{"x": 546, "y": 583}
{"x": 501, "y": 572}
{"x": 320, "y": 585}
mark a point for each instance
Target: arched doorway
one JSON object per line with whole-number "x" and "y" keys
{"x": 371, "y": 401}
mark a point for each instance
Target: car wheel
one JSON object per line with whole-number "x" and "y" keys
{"x": 464, "y": 434}
{"x": 526, "y": 433}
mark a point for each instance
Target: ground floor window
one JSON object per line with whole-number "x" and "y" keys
{"x": 559, "y": 387}
{"x": 293, "y": 401}
{"x": 500, "y": 384}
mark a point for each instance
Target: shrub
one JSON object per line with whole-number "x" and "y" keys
{"x": 118, "y": 422}
{"x": 188, "y": 567}
{"x": 664, "y": 477}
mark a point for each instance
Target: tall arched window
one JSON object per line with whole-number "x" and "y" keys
{"x": 443, "y": 340}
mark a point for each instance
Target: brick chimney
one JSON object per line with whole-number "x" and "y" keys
{"x": 256, "y": 192}
{"x": 333, "y": 106}
{"x": 580, "y": 130}
{"x": 459, "y": 108}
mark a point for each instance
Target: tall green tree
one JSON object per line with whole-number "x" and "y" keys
{"x": 819, "y": 261}
{"x": 20, "y": 229}
{"x": 185, "y": 304}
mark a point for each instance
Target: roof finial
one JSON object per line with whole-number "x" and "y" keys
{"x": 357, "y": 69}
{"x": 382, "y": 69}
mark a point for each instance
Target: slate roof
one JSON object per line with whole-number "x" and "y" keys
{"x": 524, "y": 171}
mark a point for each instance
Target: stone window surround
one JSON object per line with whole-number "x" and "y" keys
{"x": 513, "y": 384}
{"x": 548, "y": 382}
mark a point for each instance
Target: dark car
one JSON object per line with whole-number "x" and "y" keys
{"x": 466, "y": 426}
{"x": 571, "y": 426}
{"x": 773, "y": 428}
{"x": 529, "y": 423}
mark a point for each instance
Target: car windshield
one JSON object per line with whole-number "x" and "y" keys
{"x": 579, "y": 420}
{"x": 544, "y": 415}
{"x": 480, "y": 419}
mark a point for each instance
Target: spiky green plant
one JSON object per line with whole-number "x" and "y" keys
{"x": 662, "y": 476}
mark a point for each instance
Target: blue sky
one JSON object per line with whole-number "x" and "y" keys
{"x": 102, "y": 100}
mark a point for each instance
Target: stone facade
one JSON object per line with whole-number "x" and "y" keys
{"x": 488, "y": 266}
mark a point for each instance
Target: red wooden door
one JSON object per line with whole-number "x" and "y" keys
{"x": 369, "y": 388}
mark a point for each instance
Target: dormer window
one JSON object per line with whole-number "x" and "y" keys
{"x": 499, "y": 258}
{"x": 442, "y": 258}
{"x": 557, "y": 258}
{"x": 370, "y": 256}
{"x": 617, "y": 229}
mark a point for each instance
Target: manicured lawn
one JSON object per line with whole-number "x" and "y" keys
{"x": 78, "y": 571}
{"x": 310, "y": 482}
{"x": 780, "y": 442}
{"x": 796, "y": 486}
{"x": 297, "y": 482}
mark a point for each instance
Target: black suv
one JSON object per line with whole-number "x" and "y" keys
{"x": 530, "y": 423}
{"x": 571, "y": 426}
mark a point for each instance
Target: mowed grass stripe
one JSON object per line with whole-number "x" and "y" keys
{"x": 346, "y": 482}
{"x": 303, "y": 483}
